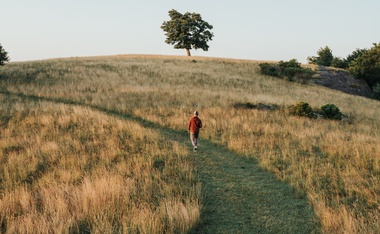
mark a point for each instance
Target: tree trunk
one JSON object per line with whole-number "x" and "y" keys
{"x": 188, "y": 52}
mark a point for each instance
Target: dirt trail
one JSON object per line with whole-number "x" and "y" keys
{"x": 238, "y": 195}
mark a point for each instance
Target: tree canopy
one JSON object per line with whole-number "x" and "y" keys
{"x": 187, "y": 31}
{"x": 3, "y": 56}
{"x": 324, "y": 58}
{"x": 367, "y": 65}
{"x": 355, "y": 54}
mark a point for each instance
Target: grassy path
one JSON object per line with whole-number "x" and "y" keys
{"x": 241, "y": 197}
{"x": 238, "y": 195}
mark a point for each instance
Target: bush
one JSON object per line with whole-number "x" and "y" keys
{"x": 331, "y": 111}
{"x": 324, "y": 58}
{"x": 293, "y": 63}
{"x": 302, "y": 109}
{"x": 376, "y": 91}
{"x": 268, "y": 69}
{"x": 291, "y": 69}
{"x": 367, "y": 66}
{"x": 354, "y": 55}
{"x": 3, "y": 56}
{"x": 328, "y": 111}
{"x": 305, "y": 76}
{"x": 258, "y": 106}
{"x": 339, "y": 63}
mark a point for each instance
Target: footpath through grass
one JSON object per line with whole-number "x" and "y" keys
{"x": 241, "y": 197}
{"x": 238, "y": 195}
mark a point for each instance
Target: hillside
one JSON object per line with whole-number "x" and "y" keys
{"x": 92, "y": 126}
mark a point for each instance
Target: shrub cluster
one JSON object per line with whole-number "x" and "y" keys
{"x": 362, "y": 63}
{"x": 376, "y": 91}
{"x": 291, "y": 70}
{"x": 268, "y": 69}
{"x": 302, "y": 109}
{"x": 328, "y": 111}
{"x": 258, "y": 106}
{"x": 331, "y": 111}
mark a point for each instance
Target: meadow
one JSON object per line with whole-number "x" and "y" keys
{"x": 62, "y": 157}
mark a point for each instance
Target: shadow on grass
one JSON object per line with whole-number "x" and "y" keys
{"x": 238, "y": 195}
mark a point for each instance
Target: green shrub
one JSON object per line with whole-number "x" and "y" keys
{"x": 293, "y": 63}
{"x": 324, "y": 58}
{"x": 376, "y": 91}
{"x": 268, "y": 69}
{"x": 367, "y": 66}
{"x": 354, "y": 55}
{"x": 339, "y": 63}
{"x": 258, "y": 106}
{"x": 331, "y": 111}
{"x": 302, "y": 109}
{"x": 291, "y": 69}
{"x": 3, "y": 56}
{"x": 305, "y": 75}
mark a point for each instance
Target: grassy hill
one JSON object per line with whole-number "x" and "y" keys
{"x": 100, "y": 144}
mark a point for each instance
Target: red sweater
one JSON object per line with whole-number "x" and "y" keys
{"x": 195, "y": 124}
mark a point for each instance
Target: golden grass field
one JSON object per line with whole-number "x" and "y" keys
{"x": 63, "y": 159}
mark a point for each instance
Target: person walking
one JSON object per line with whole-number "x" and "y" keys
{"x": 194, "y": 125}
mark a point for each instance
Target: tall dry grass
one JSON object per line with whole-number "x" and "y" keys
{"x": 335, "y": 164}
{"x": 73, "y": 170}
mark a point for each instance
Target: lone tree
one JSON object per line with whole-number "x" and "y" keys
{"x": 187, "y": 31}
{"x": 3, "y": 56}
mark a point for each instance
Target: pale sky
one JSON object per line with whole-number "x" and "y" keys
{"x": 243, "y": 29}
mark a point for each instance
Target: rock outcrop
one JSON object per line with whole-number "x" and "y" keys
{"x": 341, "y": 80}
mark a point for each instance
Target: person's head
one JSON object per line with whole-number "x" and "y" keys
{"x": 196, "y": 113}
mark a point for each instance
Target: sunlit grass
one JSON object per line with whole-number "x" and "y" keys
{"x": 335, "y": 164}
{"x": 70, "y": 169}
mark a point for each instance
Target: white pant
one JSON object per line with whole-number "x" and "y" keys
{"x": 194, "y": 138}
